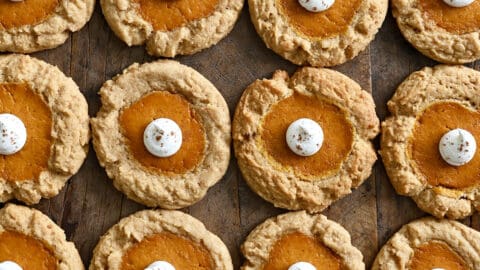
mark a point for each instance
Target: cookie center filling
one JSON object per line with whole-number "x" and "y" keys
{"x": 435, "y": 254}
{"x": 27, "y": 12}
{"x": 166, "y": 15}
{"x": 32, "y": 159}
{"x": 296, "y": 247}
{"x": 435, "y": 121}
{"x": 331, "y": 22}
{"x": 26, "y": 251}
{"x": 181, "y": 253}
{"x": 337, "y": 130}
{"x": 163, "y": 104}
{"x": 455, "y": 20}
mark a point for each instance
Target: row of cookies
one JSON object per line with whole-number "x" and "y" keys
{"x": 139, "y": 136}
{"x": 302, "y": 142}
{"x": 169, "y": 240}
{"x": 447, "y": 31}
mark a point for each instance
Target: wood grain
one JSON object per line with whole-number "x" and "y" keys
{"x": 89, "y": 204}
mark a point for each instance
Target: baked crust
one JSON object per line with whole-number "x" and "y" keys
{"x": 430, "y": 39}
{"x": 129, "y": 26}
{"x": 396, "y": 253}
{"x": 284, "y": 188}
{"x": 261, "y": 240}
{"x": 70, "y": 131}
{"x": 420, "y": 90}
{"x": 32, "y": 222}
{"x": 112, "y": 246}
{"x": 129, "y": 176}
{"x": 280, "y": 36}
{"x": 69, "y": 16}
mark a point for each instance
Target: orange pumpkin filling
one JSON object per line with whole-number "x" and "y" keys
{"x": 32, "y": 159}
{"x": 454, "y": 20}
{"x": 436, "y": 254}
{"x": 163, "y": 104}
{"x": 431, "y": 125}
{"x": 26, "y": 12}
{"x": 331, "y": 22}
{"x": 183, "y": 254}
{"x": 297, "y": 247}
{"x": 337, "y": 129}
{"x": 166, "y": 15}
{"x": 26, "y": 251}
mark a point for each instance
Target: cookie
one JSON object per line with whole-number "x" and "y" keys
{"x": 430, "y": 243}
{"x": 168, "y": 165}
{"x": 298, "y": 240}
{"x": 44, "y": 129}
{"x": 30, "y": 25}
{"x": 170, "y": 28}
{"x": 441, "y": 31}
{"x": 29, "y": 239}
{"x": 275, "y": 165}
{"x": 432, "y": 105}
{"x": 327, "y": 38}
{"x": 154, "y": 238}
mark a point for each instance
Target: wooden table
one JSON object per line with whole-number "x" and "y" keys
{"x": 89, "y": 204}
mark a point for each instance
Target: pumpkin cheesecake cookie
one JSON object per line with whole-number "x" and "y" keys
{"x": 163, "y": 134}
{"x": 34, "y": 25}
{"x": 30, "y": 240}
{"x": 318, "y": 32}
{"x": 431, "y": 244}
{"x": 428, "y": 145}
{"x": 299, "y": 241}
{"x": 447, "y": 31}
{"x": 170, "y": 28}
{"x": 160, "y": 239}
{"x": 44, "y": 129}
{"x": 304, "y": 142}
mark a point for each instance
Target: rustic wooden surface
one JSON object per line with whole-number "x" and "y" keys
{"x": 89, "y": 204}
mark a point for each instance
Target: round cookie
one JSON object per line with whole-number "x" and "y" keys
{"x": 171, "y": 28}
{"x": 30, "y": 239}
{"x": 34, "y": 25}
{"x": 338, "y": 104}
{"x": 430, "y": 243}
{"x": 326, "y": 38}
{"x": 442, "y": 32}
{"x": 55, "y": 114}
{"x": 295, "y": 237}
{"x": 167, "y": 236}
{"x": 162, "y": 89}
{"x": 428, "y": 104}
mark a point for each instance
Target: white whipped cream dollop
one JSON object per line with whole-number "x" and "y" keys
{"x": 457, "y": 147}
{"x": 304, "y": 137}
{"x": 162, "y": 137}
{"x": 458, "y": 3}
{"x": 302, "y": 266}
{"x": 16, "y": 0}
{"x": 9, "y": 265}
{"x": 13, "y": 134}
{"x": 160, "y": 265}
{"x": 438, "y": 269}
{"x": 316, "y": 5}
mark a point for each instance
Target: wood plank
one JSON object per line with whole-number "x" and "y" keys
{"x": 393, "y": 60}
{"x": 92, "y": 204}
{"x": 60, "y": 57}
{"x": 358, "y": 211}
